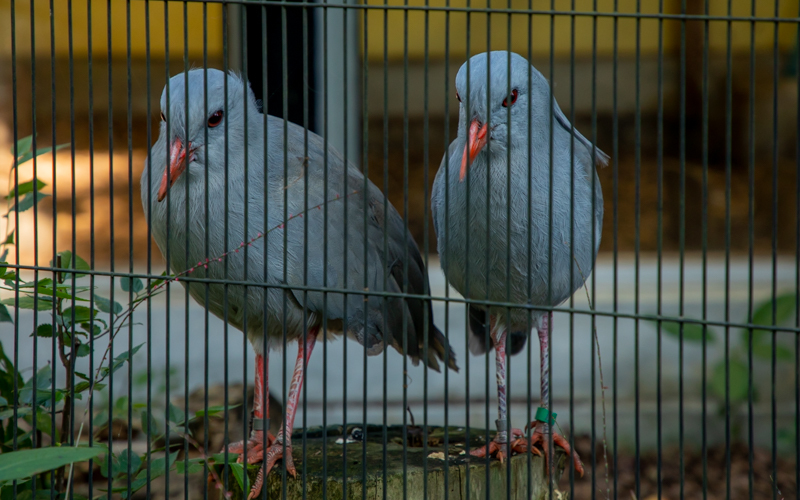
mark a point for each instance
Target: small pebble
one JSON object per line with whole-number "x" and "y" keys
{"x": 438, "y": 455}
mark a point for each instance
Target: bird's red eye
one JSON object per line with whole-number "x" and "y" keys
{"x": 215, "y": 119}
{"x": 513, "y": 96}
{"x": 163, "y": 118}
{"x": 458, "y": 97}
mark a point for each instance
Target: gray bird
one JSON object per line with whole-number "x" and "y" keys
{"x": 265, "y": 209}
{"x": 502, "y": 159}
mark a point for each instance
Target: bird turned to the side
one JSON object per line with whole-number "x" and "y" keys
{"x": 198, "y": 197}
{"x": 502, "y": 159}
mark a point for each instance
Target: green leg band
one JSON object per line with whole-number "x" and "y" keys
{"x": 541, "y": 415}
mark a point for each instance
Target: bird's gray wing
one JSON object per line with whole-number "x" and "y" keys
{"x": 340, "y": 245}
{"x": 601, "y": 159}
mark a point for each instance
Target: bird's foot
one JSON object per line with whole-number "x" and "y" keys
{"x": 499, "y": 450}
{"x": 274, "y": 452}
{"x": 540, "y": 437}
{"x": 255, "y": 452}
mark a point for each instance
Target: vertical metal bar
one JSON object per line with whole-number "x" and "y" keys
{"x": 528, "y": 256}
{"x": 751, "y": 249}
{"x": 148, "y": 322}
{"x": 187, "y": 230}
{"x": 405, "y": 241}
{"x": 487, "y": 281}
{"x": 425, "y": 250}
{"x": 728, "y": 176}
{"x": 704, "y": 225}
{"x": 246, "y": 229}
{"x": 775, "y": 167}
{"x": 265, "y": 227}
{"x": 572, "y": 254}
{"x": 73, "y": 240}
{"x": 225, "y": 239}
{"x": 324, "y": 232}
{"x": 91, "y": 200}
{"x": 593, "y": 303}
{"x": 385, "y": 234}
{"x": 129, "y": 118}
{"x": 682, "y": 242}
{"x": 637, "y": 244}
{"x": 206, "y": 252}
{"x": 365, "y": 187}
{"x": 660, "y": 248}
{"x": 615, "y": 209}
{"x": 445, "y": 164}
{"x": 547, "y": 398}
{"x": 169, "y": 249}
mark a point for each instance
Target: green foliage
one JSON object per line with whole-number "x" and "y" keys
{"x": 25, "y": 463}
{"x": 732, "y": 381}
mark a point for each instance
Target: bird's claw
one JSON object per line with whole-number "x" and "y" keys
{"x": 540, "y": 438}
{"x": 275, "y": 452}
{"x": 499, "y": 450}
{"x": 255, "y": 454}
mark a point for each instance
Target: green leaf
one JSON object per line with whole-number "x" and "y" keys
{"x": 45, "y": 331}
{"x": 176, "y": 415}
{"x": 738, "y": 381}
{"x": 763, "y": 350}
{"x": 5, "y": 317}
{"x": 692, "y": 332}
{"x": 26, "y": 202}
{"x": 158, "y": 466}
{"x": 44, "y": 378}
{"x": 67, "y": 263}
{"x": 192, "y": 466}
{"x": 23, "y": 146}
{"x": 119, "y": 360}
{"x": 136, "y": 485}
{"x": 148, "y": 423}
{"x": 784, "y": 307}
{"x": 105, "y": 305}
{"x": 105, "y": 463}
{"x": 27, "y": 156}
{"x": 25, "y": 463}
{"x": 9, "y": 241}
{"x": 24, "y": 188}
{"x": 213, "y": 410}
{"x": 82, "y": 314}
{"x": 21, "y": 412}
{"x": 28, "y": 302}
{"x": 129, "y": 459}
{"x": 94, "y": 329}
{"x": 241, "y": 477}
{"x": 134, "y": 285}
{"x": 83, "y": 350}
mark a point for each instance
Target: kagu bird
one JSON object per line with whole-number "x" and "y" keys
{"x": 502, "y": 255}
{"x": 211, "y": 185}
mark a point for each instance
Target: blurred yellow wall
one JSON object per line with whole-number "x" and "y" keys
{"x": 562, "y": 35}
{"x": 99, "y": 24}
{"x": 373, "y": 30}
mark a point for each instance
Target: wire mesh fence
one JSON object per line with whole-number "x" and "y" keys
{"x": 406, "y": 192}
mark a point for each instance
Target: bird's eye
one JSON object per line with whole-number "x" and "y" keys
{"x": 215, "y": 119}
{"x": 513, "y": 97}
{"x": 458, "y": 97}
{"x": 163, "y": 118}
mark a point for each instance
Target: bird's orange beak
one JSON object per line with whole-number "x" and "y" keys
{"x": 177, "y": 164}
{"x": 476, "y": 140}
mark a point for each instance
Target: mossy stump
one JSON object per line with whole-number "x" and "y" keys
{"x": 441, "y": 476}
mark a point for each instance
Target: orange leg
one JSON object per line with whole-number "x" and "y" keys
{"x": 540, "y": 428}
{"x": 276, "y": 450}
{"x": 254, "y": 446}
{"x": 499, "y": 446}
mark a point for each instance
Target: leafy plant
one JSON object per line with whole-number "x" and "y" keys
{"x": 735, "y": 377}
